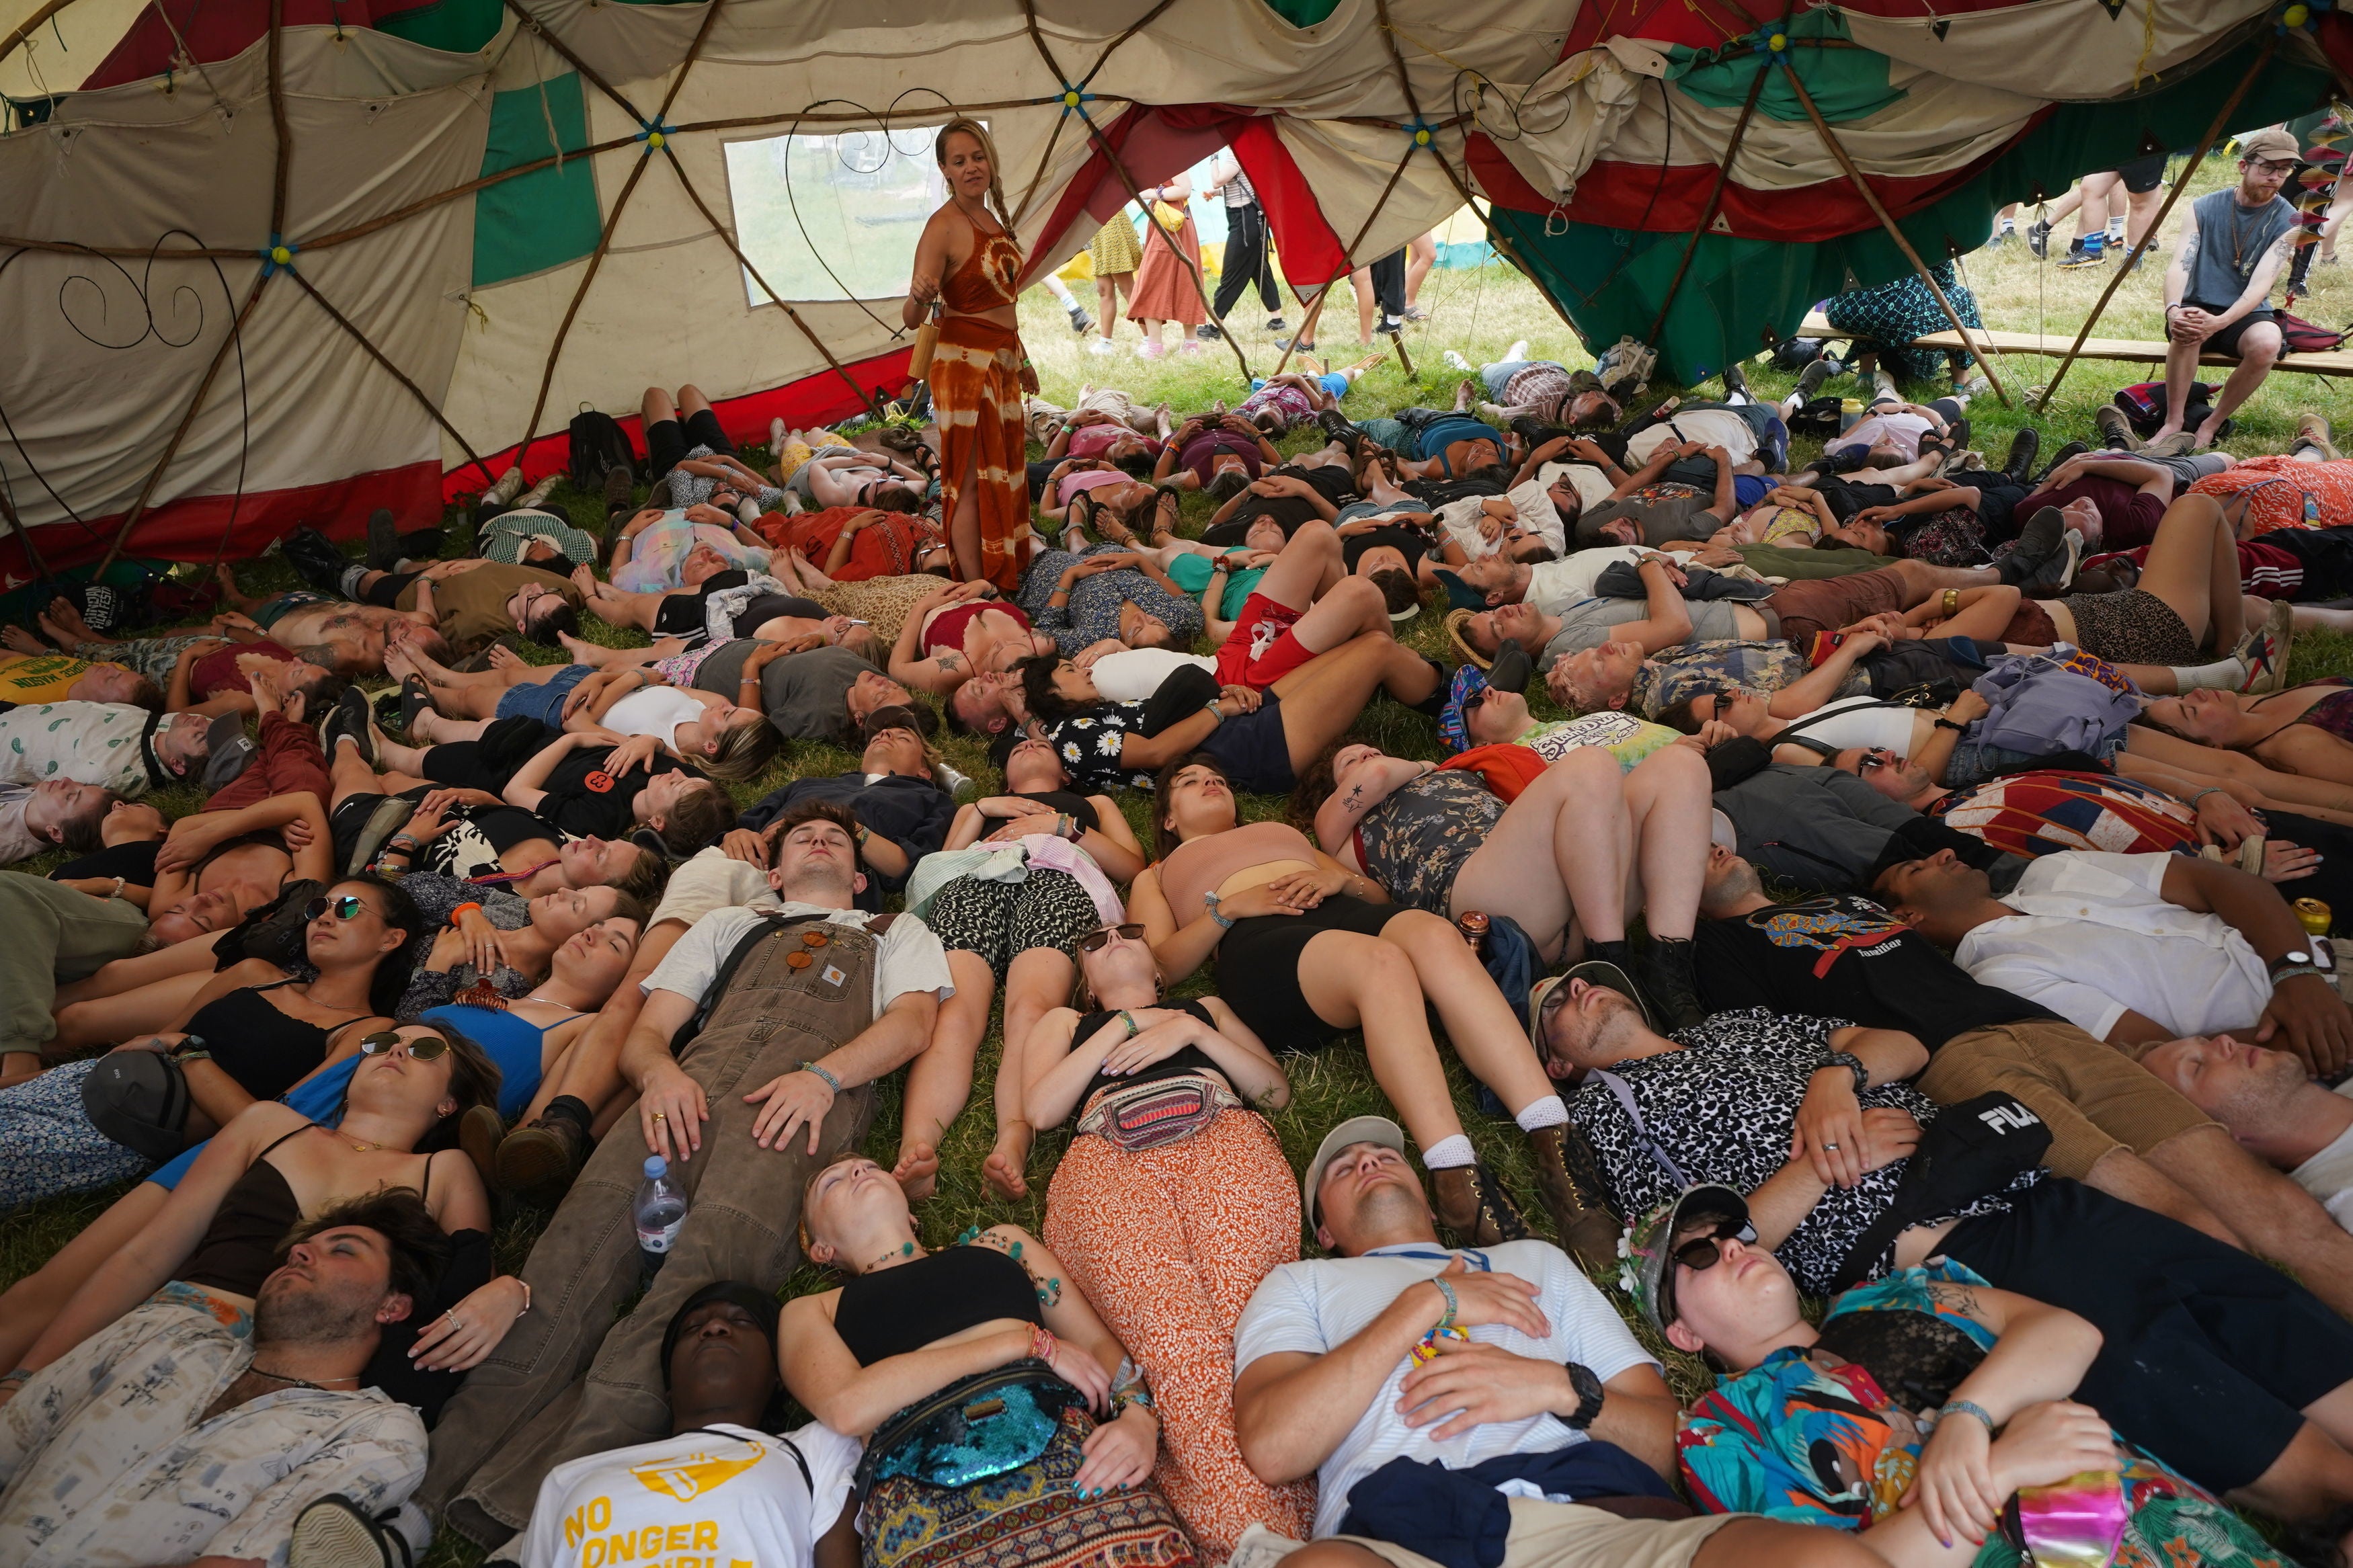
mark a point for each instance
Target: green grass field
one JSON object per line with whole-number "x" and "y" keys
{"x": 1478, "y": 312}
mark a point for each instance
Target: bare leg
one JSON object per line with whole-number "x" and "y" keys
{"x": 1564, "y": 846}
{"x": 1322, "y": 696}
{"x": 434, "y": 728}
{"x": 627, "y": 609}
{"x": 1354, "y": 981}
{"x": 2180, "y": 370}
{"x": 605, "y": 658}
{"x": 1038, "y": 981}
{"x": 31, "y": 1302}
{"x": 2193, "y": 566}
{"x": 939, "y": 1081}
{"x": 1478, "y": 1022}
{"x": 2259, "y": 349}
{"x": 348, "y": 775}
{"x": 2311, "y": 1480}
{"x": 1667, "y": 795}
{"x": 111, "y": 1020}
{"x": 1361, "y": 280}
{"x": 691, "y": 402}
{"x": 657, "y": 406}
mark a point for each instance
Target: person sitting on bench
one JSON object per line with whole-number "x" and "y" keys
{"x": 2216, "y": 293}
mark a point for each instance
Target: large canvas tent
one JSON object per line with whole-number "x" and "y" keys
{"x": 270, "y": 261}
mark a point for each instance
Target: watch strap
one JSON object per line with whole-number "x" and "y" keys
{"x": 1587, "y": 1386}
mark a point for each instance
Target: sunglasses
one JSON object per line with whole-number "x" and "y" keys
{"x": 351, "y": 906}
{"x": 423, "y": 1049}
{"x": 1872, "y": 760}
{"x": 1702, "y": 1253}
{"x": 1096, "y": 940}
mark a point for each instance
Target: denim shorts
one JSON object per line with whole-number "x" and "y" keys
{"x": 545, "y": 699}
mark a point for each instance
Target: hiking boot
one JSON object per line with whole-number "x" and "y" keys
{"x": 1816, "y": 371}
{"x": 2312, "y": 430}
{"x": 1531, "y": 430}
{"x": 1336, "y": 425}
{"x": 423, "y": 544}
{"x": 1734, "y": 381}
{"x": 383, "y": 541}
{"x": 1667, "y": 978}
{"x": 2053, "y": 576}
{"x": 315, "y": 559}
{"x": 2116, "y": 430}
{"x": 479, "y": 1133}
{"x": 2037, "y": 542}
{"x": 545, "y": 1152}
{"x": 2072, "y": 449}
{"x": 2022, "y": 449}
{"x": 1472, "y": 1205}
{"x": 620, "y": 487}
{"x": 1569, "y": 1181}
{"x": 335, "y": 1532}
{"x": 2038, "y": 239}
{"x": 2180, "y": 443}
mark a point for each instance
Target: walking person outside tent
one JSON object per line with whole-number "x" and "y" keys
{"x": 1247, "y": 261}
{"x": 968, "y": 262}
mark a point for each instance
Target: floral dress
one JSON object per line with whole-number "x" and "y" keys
{"x": 1417, "y": 839}
{"x": 1811, "y": 1437}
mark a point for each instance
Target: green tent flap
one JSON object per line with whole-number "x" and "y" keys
{"x": 1742, "y": 296}
{"x": 1847, "y": 81}
{"x": 1303, "y": 13}
{"x": 460, "y": 26}
{"x": 535, "y": 221}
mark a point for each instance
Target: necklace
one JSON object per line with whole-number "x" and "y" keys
{"x": 359, "y": 1146}
{"x": 298, "y": 1382}
{"x": 904, "y": 1249}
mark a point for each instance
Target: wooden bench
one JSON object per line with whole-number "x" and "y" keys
{"x": 2336, "y": 361}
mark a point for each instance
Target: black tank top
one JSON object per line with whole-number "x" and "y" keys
{"x": 916, "y": 1304}
{"x": 1188, "y": 1059}
{"x": 1078, "y": 807}
{"x": 267, "y": 1051}
{"x": 240, "y": 1246}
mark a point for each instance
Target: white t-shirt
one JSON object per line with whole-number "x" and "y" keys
{"x": 1861, "y": 721}
{"x": 1711, "y": 427}
{"x": 1531, "y": 509}
{"x": 656, "y": 710}
{"x": 722, "y": 1495}
{"x": 2328, "y": 1175}
{"x": 2094, "y": 936}
{"x": 1593, "y": 486}
{"x": 1317, "y": 1305}
{"x": 1554, "y": 585}
{"x": 1133, "y": 674}
{"x": 909, "y": 957}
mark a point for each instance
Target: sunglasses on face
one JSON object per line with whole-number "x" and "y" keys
{"x": 1702, "y": 1253}
{"x": 423, "y": 1049}
{"x": 1877, "y": 757}
{"x": 1096, "y": 940}
{"x": 351, "y": 906}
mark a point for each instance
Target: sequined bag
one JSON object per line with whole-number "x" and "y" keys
{"x": 986, "y": 1424}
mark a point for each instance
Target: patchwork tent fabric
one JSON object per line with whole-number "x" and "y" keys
{"x": 281, "y": 262}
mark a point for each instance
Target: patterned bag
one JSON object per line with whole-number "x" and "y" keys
{"x": 1158, "y": 1112}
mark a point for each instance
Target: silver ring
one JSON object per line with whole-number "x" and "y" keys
{"x": 1829, "y": 1145}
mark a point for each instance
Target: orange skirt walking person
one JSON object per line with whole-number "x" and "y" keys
{"x": 967, "y": 261}
{"x": 1173, "y": 1202}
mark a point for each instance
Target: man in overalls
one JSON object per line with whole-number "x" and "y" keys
{"x": 755, "y": 1059}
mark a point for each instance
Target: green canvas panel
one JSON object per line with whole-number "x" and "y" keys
{"x": 535, "y": 221}
{"x": 1303, "y": 12}
{"x": 1742, "y": 296}
{"x": 1847, "y": 81}
{"x": 460, "y": 26}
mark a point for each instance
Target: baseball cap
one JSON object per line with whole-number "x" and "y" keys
{"x": 1721, "y": 831}
{"x": 1646, "y": 1267}
{"x": 2270, "y": 144}
{"x": 1593, "y": 972}
{"x": 1356, "y": 1129}
{"x": 1468, "y": 687}
{"x": 228, "y": 750}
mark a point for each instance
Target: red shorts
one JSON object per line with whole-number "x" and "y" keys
{"x": 1262, "y": 648}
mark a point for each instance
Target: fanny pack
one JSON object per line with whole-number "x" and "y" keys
{"x": 1153, "y": 1115}
{"x": 978, "y": 1426}
{"x": 1976, "y": 1149}
{"x": 139, "y": 1100}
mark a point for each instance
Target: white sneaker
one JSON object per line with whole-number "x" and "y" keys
{"x": 1517, "y": 351}
{"x": 534, "y": 497}
{"x": 1456, "y": 362}
{"x": 777, "y": 437}
{"x": 1103, "y": 346}
{"x": 510, "y": 486}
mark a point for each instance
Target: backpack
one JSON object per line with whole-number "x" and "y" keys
{"x": 2302, "y": 337}
{"x": 2062, "y": 700}
{"x": 1820, "y": 417}
{"x": 2143, "y": 404}
{"x": 598, "y": 443}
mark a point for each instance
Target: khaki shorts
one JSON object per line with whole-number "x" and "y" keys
{"x": 2094, "y": 1097}
{"x": 1570, "y": 1535}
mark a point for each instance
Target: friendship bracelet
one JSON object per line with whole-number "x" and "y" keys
{"x": 2202, "y": 794}
{"x": 832, "y": 1082}
{"x": 1453, "y": 1306}
{"x": 1968, "y": 1408}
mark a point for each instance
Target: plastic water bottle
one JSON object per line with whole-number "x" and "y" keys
{"x": 660, "y": 1210}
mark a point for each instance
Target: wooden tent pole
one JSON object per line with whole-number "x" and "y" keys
{"x": 733, "y": 249}
{"x": 285, "y": 156}
{"x": 2156, "y": 225}
{"x": 540, "y": 29}
{"x": 1127, "y": 181}
{"x": 1714, "y": 199}
{"x": 32, "y": 25}
{"x": 396, "y": 374}
{"x": 172, "y": 446}
{"x": 1887, "y": 221}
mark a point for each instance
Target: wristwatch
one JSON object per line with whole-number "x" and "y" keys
{"x": 1853, "y": 1063}
{"x": 1589, "y": 1395}
{"x": 2288, "y": 965}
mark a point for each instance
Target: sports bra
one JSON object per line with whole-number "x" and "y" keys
{"x": 985, "y": 281}
{"x": 1185, "y": 1060}
{"x": 267, "y": 1051}
{"x": 1203, "y": 865}
{"x": 945, "y": 633}
{"x": 240, "y": 1246}
{"x": 920, "y": 1303}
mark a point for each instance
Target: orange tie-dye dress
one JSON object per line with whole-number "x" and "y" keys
{"x": 977, "y": 398}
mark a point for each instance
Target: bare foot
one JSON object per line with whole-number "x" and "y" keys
{"x": 22, "y": 641}
{"x": 504, "y": 657}
{"x": 64, "y": 621}
{"x": 1466, "y": 392}
{"x": 1007, "y": 1169}
{"x": 2207, "y": 434}
{"x": 917, "y": 1171}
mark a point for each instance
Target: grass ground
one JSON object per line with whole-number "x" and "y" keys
{"x": 1478, "y": 312}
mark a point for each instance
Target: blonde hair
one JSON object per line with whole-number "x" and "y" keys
{"x": 978, "y": 132}
{"x": 743, "y": 751}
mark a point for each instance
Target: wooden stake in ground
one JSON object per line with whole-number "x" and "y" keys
{"x": 2189, "y": 171}
{"x": 1887, "y": 222}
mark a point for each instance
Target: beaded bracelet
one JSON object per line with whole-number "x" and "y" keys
{"x": 831, "y": 1082}
{"x": 1968, "y": 1408}
{"x": 1452, "y": 1305}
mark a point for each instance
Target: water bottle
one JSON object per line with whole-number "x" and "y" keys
{"x": 1850, "y": 413}
{"x": 659, "y": 1211}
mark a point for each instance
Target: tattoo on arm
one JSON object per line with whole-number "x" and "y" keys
{"x": 1353, "y": 803}
{"x": 1959, "y": 1299}
{"x": 951, "y": 662}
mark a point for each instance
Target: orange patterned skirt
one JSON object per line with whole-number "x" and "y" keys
{"x": 977, "y": 398}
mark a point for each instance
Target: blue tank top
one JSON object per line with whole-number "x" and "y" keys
{"x": 511, "y": 1042}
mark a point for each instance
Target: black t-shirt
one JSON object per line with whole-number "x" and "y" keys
{"x": 134, "y": 862}
{"x": 584, "y": 799}
{"x": 1290, "y": 512}
{"x": 1841, "y": 956}
{"x": 1411, "y": 541}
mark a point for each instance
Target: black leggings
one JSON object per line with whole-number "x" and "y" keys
{"x": 485, "y": 763}
{"x": 1258, "y": 967}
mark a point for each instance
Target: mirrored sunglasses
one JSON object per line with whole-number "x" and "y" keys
{"x": 350, "y": 906}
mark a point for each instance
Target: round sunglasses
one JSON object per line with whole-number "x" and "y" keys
{"x": 1096, "y": 940}
{"x": 1702, "y": 1253}
{"x": 350, "y": 906}
{"x": 423, "y": 1049}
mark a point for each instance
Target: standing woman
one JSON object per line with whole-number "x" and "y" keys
{"x": 968, "y": 262}
{"x": 1165, "y": 286}
{"x": 1114, "y": 253}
